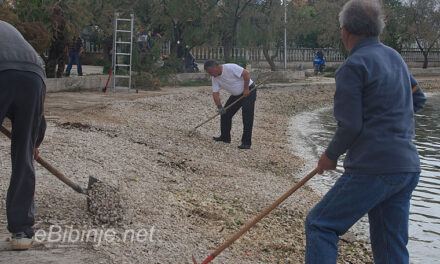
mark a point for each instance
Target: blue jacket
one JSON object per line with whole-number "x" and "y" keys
{"x": 318, "y": 61}
{"x": 374, "y": 108}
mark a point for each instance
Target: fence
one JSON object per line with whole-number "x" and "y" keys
{"x": 293, "y": 54}
{"x": 298, "y": 54}
{"x": 415, "y": 55}
{"x": 256, "y": 54}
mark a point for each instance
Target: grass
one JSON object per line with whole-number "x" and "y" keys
{"x": 195, "y": 83}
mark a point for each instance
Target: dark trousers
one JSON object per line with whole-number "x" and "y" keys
{"x": 247, "y": 106}
{"x": 74, "y": 55}
{"x": 21, "y": 99}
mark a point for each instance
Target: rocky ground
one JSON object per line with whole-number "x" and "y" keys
{"x": 181, "y": 195}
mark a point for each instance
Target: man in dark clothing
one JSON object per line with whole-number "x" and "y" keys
{"x": 57, "y": 51}
{"x": 75, "y": 51}
{"x": 374, "y": 107}
{"x": 236, "y": 81}
{"x": 22, "y": 92}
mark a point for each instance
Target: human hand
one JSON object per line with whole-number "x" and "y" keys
{"x": 246, "y": 92}
{"x": 36, "y": 152}
{"x": 221, "y": 110}
{"x": 325, "y": 163}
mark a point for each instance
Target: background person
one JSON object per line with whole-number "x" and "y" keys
{"x": 236, "y": 81}
{"x": 75, "y": 52}
{"x": 22, "y": 92}
{"x": 374, "y": 107}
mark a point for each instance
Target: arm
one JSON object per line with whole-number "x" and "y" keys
{"x": 40, "y": 136}
{"x": 216, "y": 97}
{"x": 247, "y": 78}
{"x": 348, "y": 113}
{"x": 347, "y": 110}
{"x": 419, "y": 98}
{"x": 41, "y": 132}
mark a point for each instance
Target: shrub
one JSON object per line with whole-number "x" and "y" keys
{"x": 145, "y": 81}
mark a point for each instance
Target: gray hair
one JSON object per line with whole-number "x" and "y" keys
{"x": 363, "y": 17}
{"x": 210, "y": 64}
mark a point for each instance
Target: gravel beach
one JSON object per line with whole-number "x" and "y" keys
{"x": 182, "y": 195}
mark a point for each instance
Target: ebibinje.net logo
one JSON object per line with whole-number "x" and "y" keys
{"x": 69, "y": 234}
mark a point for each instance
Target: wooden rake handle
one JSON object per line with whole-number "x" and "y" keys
{"x": 265, "y": 212}
{"x": 50, "y": 168}
{"x": 259, "y": 217}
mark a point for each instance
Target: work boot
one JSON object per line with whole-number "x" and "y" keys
{"x": 221, "y": 139}
{"x": 243, "y": 146}
{"x": 21, "y": 241}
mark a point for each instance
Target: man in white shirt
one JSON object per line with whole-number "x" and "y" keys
{"x": 237, "y": 82}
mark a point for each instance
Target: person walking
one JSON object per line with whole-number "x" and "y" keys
{"x": 22, "y": 92}
{"x": 374, "y": 108}
{"x": 237, "y": 82}
{"x": 75, "y": 51}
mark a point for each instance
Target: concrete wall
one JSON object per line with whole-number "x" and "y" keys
{"x": 79, "y": 83}
{"x": 256, "y": 74}
{"x": 426, "y": 72}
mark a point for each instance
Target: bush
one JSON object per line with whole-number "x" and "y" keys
{"x": 145, "y": 81}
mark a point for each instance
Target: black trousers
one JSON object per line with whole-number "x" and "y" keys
{"x": 247, "y": 106}
{"x": 21, "y": 99}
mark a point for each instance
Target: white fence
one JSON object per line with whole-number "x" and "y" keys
{"x": 293, "y": 54}
{"x": 299, "y": 54}
{"x": 256, "y": 54}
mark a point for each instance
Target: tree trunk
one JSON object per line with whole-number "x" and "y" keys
{"x": 269, "y": 59}
{"x": 227, "y": 46}
{"x": 425, "y": 61}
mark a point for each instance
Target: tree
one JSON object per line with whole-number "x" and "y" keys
{"x": 192, "y": 27}
{"x": 424, "y": 21}
{"x": 263, "y": 27}
{"x": 395, "y": 33}
{"x": 315, "y": 24}
{"x": 229, "y": 15}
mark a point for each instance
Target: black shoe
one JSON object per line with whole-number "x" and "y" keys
{"x": 221, "y": 139}
{"x": 242, "y": 146}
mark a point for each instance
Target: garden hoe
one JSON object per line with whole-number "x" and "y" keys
{"x": 56, "y": 172}
{"x": 191, "y": 133}
{"x": 258, "y": 218}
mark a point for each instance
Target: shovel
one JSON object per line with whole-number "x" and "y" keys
{"x": 56, "y": 172}
{"x": 257, "y": 218}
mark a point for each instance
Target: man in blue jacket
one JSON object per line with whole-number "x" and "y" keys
{"x": 22, "y": 92}
{"x": 374, "y": 107}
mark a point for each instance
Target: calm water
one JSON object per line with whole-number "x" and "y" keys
{"x": 424, "y": 245}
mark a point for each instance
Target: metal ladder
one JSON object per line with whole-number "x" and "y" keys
{"x": 122, "y": 53}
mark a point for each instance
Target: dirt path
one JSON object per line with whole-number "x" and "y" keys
{"x": 184, "y": 195}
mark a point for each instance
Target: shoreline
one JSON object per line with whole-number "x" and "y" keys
{"x": 195, "y": 192}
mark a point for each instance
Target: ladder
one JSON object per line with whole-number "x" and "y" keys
{"x": 122, "y": 54}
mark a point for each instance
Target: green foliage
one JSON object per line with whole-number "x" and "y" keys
{"x": 315, "y": 25}
{"x": 195, "y": 83}
{"x": 395, "y": 32}
{"x": 146, "y": 60}
{"x": 187, "y": 21}
{"x": 33, "y": 10}
{"x": 240, "y": 61}
{"x": 145, "y": 81}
